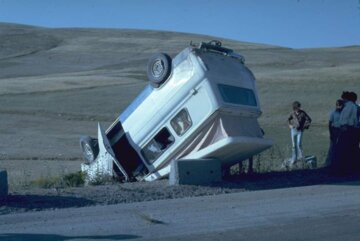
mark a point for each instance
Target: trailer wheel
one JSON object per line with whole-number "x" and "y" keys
{"x": 90, "y": 148}
{"x": 159, "y": 69}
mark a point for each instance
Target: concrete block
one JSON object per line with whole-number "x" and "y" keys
{"x": 3, "y": 183}
{"x": 195, "y": 172}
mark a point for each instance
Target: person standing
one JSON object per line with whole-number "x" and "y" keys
{"x": 346, "y": 147}
{"x": 334, "y": 130}
{"x": 298, "y": 121}
{"x": 358, "y": 137}
{"x": 356, "y": 159}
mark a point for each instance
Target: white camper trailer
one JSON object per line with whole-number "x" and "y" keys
{"x": 201, "y": 104}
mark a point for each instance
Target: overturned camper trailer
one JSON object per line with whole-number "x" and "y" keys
{"x": 201, "y": 104}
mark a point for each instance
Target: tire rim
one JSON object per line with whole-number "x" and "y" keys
{"x": 158, "y": 68}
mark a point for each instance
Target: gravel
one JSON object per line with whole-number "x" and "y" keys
{"x": 37, "y": 199}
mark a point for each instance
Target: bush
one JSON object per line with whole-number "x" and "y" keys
{"x": 76, "y": 179}
{"x": 101, "y": 179}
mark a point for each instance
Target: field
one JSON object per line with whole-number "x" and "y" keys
{"x": 57, "y": 84}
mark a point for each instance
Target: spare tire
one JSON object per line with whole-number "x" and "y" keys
{"x": 159, "y": 69}
{"x": 90, "y": 148}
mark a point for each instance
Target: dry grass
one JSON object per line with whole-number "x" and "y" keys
{"x": 52, "y": 90}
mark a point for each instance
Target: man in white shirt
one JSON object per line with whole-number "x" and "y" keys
{"x": 348, "y": 116}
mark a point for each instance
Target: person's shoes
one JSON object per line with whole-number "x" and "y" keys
{"x": 293, "y": 165}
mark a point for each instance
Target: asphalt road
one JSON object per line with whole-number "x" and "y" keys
{"x": 322, "y": 212}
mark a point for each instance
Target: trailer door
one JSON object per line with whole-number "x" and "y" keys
{"x": 126, "y": 155}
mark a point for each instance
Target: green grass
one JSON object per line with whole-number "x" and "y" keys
{"x": 76, "y": 179}
{"x": 315, "y": 143}
{"x": 316, "y": 78}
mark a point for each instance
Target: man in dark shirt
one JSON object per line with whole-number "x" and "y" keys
{"x": 334, "y": 131}
{"x": 298, "y": 121}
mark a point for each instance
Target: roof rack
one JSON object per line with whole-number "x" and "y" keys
{"x": 216, "y": 46}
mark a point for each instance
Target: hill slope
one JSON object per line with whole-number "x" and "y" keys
{"x": 56, "y": 84}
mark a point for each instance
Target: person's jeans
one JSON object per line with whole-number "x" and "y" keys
{"x": 296, "y": 138}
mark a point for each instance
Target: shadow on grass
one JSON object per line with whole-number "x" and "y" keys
{"x": 55, "y": 237}
{"x": 39, "y": 202}
{"x": 286, "y": 179}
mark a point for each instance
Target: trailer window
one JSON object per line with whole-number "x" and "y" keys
{"x": 158, "y": 145}
{"x": 237, "y": 95}
{"x": 181, "y": 122}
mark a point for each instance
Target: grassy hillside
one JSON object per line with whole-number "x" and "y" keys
{"x": 56, "y": 84}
